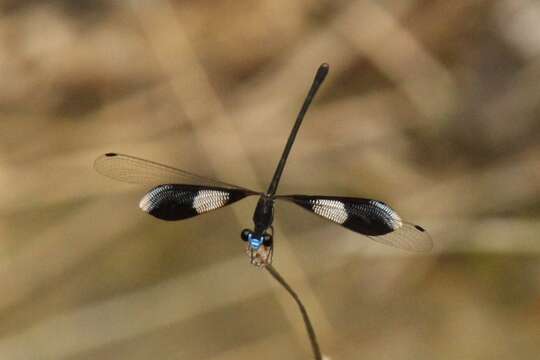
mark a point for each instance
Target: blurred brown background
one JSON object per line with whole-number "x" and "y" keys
{"x": 431, "y": 106}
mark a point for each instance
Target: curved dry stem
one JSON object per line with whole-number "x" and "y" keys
{"x": 309, "y": 327}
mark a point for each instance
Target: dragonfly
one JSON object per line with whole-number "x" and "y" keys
{"x": 179, "y": 194}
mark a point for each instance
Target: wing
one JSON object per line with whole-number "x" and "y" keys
{"x": 134, "y": 170}
{"x": 176, "y": 201}
{"x": 372, "y": 218}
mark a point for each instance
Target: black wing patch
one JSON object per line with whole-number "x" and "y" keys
{"x": 134, "y": 170}
{"x": 176, "y": 202}
{"x": 372, "y": 218}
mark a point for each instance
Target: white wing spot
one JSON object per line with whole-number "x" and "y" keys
{"x": 393, "y": 219}
{"x": 207, "y": 200}
{"x": 331, "y": 209}
{"x": 147, "y": 202}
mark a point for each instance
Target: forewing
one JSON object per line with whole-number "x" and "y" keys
{"x": 131, "y": 169}
{"x": 409, "y": 237}
{"x": 372, "y": 218}
{"x": 177, "y": 201}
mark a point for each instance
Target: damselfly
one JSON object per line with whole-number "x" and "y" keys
{"x": 180, "y": 194}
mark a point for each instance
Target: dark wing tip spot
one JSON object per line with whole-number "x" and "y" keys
{"x": 418, "y": 227}
{"x": 111, "y": 154}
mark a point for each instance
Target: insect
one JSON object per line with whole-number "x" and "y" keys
{"x": 180, "y": 194}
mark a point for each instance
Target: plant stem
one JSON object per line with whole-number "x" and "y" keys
{"x": 309, "y": 327}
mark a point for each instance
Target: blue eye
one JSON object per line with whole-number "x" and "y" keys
{"x": 254, "y": 242}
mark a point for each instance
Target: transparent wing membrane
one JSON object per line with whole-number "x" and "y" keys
{"x": 372, "y": 218}
{"x": 131, "y": 169}
{"x": 408, "y": 237}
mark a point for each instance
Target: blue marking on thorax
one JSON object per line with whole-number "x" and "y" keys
{"x": 255, "y": 243}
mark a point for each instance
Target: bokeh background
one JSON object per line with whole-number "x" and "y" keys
{"x": 431, "y": 106}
